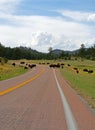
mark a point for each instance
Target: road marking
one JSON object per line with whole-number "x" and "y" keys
{"x": 71, "y": 123}
{"x": 21, "y": 84}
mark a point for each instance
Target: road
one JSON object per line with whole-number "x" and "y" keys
{"x": 42, "y": 100}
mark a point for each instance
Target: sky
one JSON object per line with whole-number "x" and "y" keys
{"x": 40, "y": 24}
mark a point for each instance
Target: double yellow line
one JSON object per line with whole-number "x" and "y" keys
{"x": 21, "y": 84}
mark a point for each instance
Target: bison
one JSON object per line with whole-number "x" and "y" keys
{"x": 90, "y": 71}
{"x": 85, "y": 70}
{"x": 14, "y": 64}
{"x": 22, "y": 62}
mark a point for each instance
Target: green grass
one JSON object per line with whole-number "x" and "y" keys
{"x": 8, "y": 71}
{"x": 83, "y": 82}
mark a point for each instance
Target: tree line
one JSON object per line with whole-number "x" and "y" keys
{"x": 87, "y": 53}
{"x": 21, "y": 52}
{"x": 17, "y": 53}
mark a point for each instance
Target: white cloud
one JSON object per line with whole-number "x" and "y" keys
{"x": 8, "y": 6}
{"x": 78, "y": 15}
{"x": 41, "y": 32}
{"x": 91, "y": 17}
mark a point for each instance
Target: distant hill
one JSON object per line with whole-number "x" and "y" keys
{"x": 58, "y": 51}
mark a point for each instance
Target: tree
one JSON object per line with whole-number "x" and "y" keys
{"x": 2, "y": 51}
{"x": 50, "y": 49}
{"x": 50, "y": 54}
{"x": 82, "y": 51}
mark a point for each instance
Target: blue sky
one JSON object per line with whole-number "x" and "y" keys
{"x": 40, "y": 24}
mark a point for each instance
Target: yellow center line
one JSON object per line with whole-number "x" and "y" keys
{"x": 21, "y": 84}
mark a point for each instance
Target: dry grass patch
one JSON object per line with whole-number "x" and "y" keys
{"x": 8, "y": 71}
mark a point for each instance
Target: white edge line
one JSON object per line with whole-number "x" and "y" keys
{"x": 71, "y": 123}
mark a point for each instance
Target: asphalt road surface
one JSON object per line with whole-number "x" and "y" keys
{"x": 42, "y": 100}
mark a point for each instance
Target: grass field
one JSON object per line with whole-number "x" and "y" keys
{"x": 83, "y": 82}
{"x": 8, "y": 71}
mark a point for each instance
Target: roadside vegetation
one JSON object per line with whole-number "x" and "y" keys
{"x": 8, "y": 71}
{"x": 83, "y": 82}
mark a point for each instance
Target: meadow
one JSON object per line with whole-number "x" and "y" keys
{"x": 82, "y": 82}
{"x": 8, "y": 71}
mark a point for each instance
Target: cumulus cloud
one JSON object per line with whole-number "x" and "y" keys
{"x": 91, "y": 17}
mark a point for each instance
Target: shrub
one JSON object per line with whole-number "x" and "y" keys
{"x": 3, "y": 60}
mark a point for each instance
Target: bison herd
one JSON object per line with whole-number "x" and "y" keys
{"x": 89, "y": 71}
{"x": 57, "y": 65}
{"x": 25, "y": 65}
{"x": 84, "y": 70}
